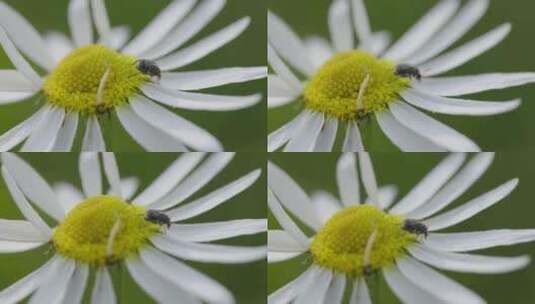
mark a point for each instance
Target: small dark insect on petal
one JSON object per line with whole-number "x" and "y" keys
{"x": 415, "y": 227}
{"x": 408, "y": 71}
{"x": 158, "y": 217}
{"x": 149, "y": 67}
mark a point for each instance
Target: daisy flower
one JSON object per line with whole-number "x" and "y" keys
{"x": 92, "y": 78}
{"x": 98, "y": 229}
{"x": 357, "y": 238}
{"x": 346, "y": 83}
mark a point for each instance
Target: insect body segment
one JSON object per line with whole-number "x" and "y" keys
{"x": 158, "y": 217}
{"x": 149, "y": 67}
{"x": 408, "y": 71}
{"x": 415, "y": 227}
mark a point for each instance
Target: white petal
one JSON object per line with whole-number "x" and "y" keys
{"x": 209, "y": 253}
{"x": 361, "y": 20}
{"x": 25, "y": 36}
{"x": 68, "y": 195}
{"x": 347, "y": 179}
{"x": 368, "y": 177}
{"x": 24, "y": 206}
{"x": 453, "y": 106}
{"x": 90, "y": 174}
{"x": 467, "y": 17}
{"x": 291, "y": 195}
{"x": 405, "y": 290}
{"x": 18, "y": 61}
{"x": 386, "y": 195}
{"x": 101, "y": 19}
{"x": 128, "y": 187}
{"x": 146, "y": 135}
{"x": 423, "y": 30}
{"x": 360, "y": 294}
{"x": 470, "y": 241}
{"x": 199, "y": 101}
{"x": 316, "y": 291}
{"x": 288, "y": 44}
{"x": 93, "y": 139}
{"x": 462, "y": 85}
{"x": 319, "y": 50}
{"x": 325, "y": 205}
{"x": 282, "y": 241}
{"x": 279, "y": 256}
{"x": 431, "y": 129}
{"x": 23, "y": 231}
{"x": 13, "y": 97}
{"x": 197, "y": 80}
{"x": 189, "y": 27}
{"x": 290, "y": 291}
{"x": 169, "y": 178}
{"x": 206, "y": 232}
{"x": 202, "y": 175}
{"x": 465, "y": 53}
{"x": 436, "y": 284}
{"x": 111, "y": 170}
{"x": 404, "y": 138}
{"x": 20, "y": 132}
{"x": 430, "y": 184}
{"x": 471, "y": 208}
{"x": 66, "y": 133}
{"x": 174, "y": 125}
{"x": 19, "y": 290}
{"x": 159, "y": 27}
{"x": 33, "y": 185}
{"x": 16, "y": 82}
{"x": 377, "y": 43}
{"x": 281, "y": 136}
{"x": 213, "y": 199}
{"x": 285, "y": 221}
{"x": 335, "y": 293}
{"x": 327, "y": 136}
{"x": 19, "y": 246}
{"x": 118, "y": 37}
{"x": 465, "y": 178}
{"x": 306, "y": 134}
{"x": 279, "y": 92}
{"x": 283, "y": 71}
{"x": 53, "y": 290}
{"x": 352, "y": 139}
{"x": 75, "y": 289}
{"x": 461, "y": 262}
{"x": 203, "y": 47}
{"x": 340, "y": 26}
{"x": 185, "y": 277}
{"x": 45, "y": 132}
{"x": 58, "y": 45}
{"x": 80, "y": 22}
{"x": 160, "y": 289}
{"x": 103, "y": 289}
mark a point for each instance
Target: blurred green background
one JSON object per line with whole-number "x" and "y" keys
{"x": 246, "y": 281}
{"x": 317, "y": 171}
{"x": 508, "y": 131}
{"x": 242, "y": 130}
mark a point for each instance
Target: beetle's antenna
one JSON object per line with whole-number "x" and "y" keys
{"x": 111, "y": 238}
{"x": 362, "y": 89}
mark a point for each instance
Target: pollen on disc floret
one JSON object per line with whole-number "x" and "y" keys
{"x": 341, "y": 244}
{"x": 74, "y": 83}
{"x": 334, "y": 89}
{"x": 85, "y": 232}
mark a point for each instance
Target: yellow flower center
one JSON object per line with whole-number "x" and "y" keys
{"x": 75, "y": 82}
{"x": 335, "y": 88}
{"x": 342, "y": 243}
{"x": 88, "y": 230}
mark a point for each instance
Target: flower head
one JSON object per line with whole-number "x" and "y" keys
{"x": 356, "y": 238}
{"x": 96, "y": 230}
{"x": 93, "y": 78}
{"x": 347, "y": 83}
